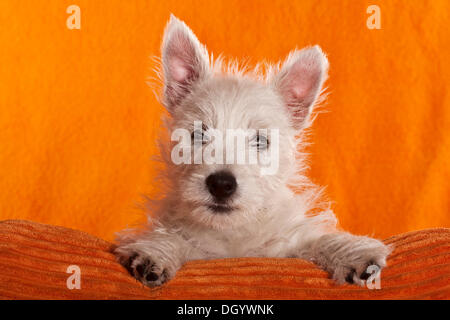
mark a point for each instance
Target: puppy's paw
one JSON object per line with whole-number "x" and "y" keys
{"x": 364, "y": 258}
{"x": 145, "y": 268}
{"x": 356, "y": 273}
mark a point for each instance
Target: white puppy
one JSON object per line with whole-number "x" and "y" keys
{"x": 221, "y": 210}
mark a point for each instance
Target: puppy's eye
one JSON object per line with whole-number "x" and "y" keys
{"x": 199, "y": 135}
{"x": 261, "y": 142}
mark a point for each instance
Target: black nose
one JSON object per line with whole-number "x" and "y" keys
{"x": 221, "y": 185}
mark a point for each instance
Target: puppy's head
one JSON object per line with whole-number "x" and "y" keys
{"x": 208, "y": 106}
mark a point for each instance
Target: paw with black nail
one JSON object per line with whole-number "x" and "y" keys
{"x": 353, "y": 276}
{"x": 357, "y": 261}
{"x": 145, "y": 269}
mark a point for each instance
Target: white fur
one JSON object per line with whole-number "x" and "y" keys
{"x": 278, "y": 215}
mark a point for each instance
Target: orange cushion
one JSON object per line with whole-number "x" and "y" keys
{"x": 34, "y": 259}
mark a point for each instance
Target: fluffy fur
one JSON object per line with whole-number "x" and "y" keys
{"x": 281, "y": 215}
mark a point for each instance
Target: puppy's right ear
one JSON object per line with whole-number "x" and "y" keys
{"x": 184, "y": 60}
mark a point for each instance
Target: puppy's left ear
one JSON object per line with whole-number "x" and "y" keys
{"x": 184, "y": 60}
{"x": 300, "y": 82}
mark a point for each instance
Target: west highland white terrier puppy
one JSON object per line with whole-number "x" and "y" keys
{"x": 215, "y": 209}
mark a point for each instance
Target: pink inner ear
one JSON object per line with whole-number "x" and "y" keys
{"x": 301, "y": 85}
{"x": 300, "y": 88}
{"x": 179, "y": 70}
{"x": 181, "y": 57}
{"x": 184, "y": 60}
{"x": 303, "y": 81}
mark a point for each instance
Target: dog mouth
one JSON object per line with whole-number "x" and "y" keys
{"x": 219, "y": 208}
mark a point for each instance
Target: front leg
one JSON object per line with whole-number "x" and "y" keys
{"x": 346, "y": 257}
{"x": 153, "y": 257}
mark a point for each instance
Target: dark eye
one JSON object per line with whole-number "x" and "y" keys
{"x": 199, "y": 135}
{"x": 261, "y": 142}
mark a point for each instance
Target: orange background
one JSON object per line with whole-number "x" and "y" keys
{"x": 78, "y": 122}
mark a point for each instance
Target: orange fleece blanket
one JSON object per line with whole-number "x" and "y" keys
{"x": 34, "y": 259}
{"x": 78, "y": 122}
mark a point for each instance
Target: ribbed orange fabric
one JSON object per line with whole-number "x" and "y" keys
{"x": 34, "y": 258}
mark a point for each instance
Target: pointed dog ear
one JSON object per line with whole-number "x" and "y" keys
{"x": 184, "y": 61}
{"x": 300, "y": 81}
